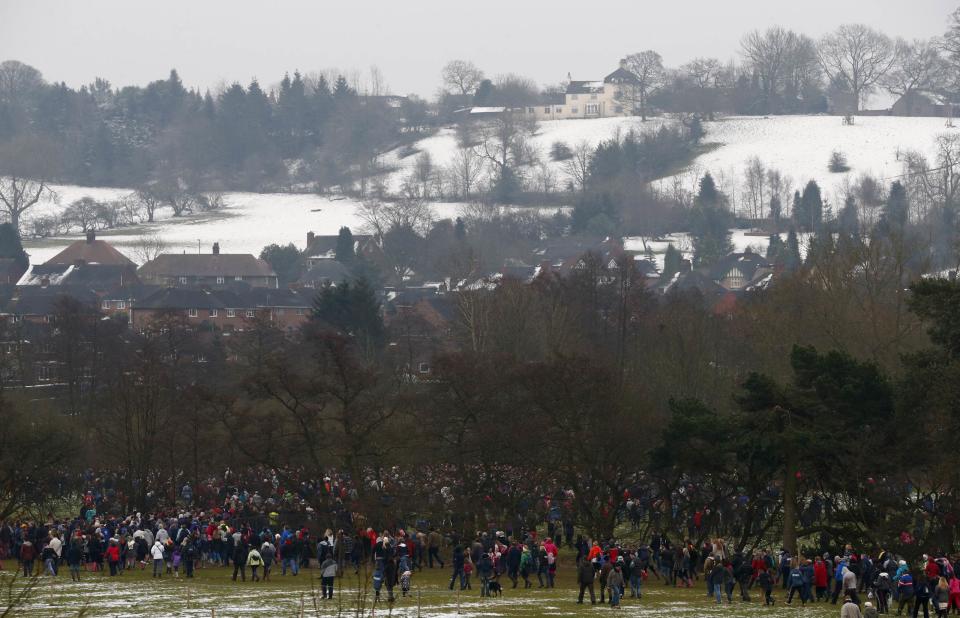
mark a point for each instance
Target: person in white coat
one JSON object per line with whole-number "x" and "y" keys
{"x": 156, "y": 552}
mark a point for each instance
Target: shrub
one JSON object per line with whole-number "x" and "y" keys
{"x": 560, "y": 152}
{"x": 838, "y": 162}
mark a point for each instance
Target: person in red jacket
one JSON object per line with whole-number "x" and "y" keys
{"x": 931, "y": 569}
{"x": 113, "y": 556}
{"x": 820, "y": 577}
{"x": 595, "y": 552}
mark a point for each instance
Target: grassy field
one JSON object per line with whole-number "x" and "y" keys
{"x": 212, "y": 593}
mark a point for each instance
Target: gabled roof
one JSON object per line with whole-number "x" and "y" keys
{"x": 620, "y": 76}
{"x": 131, "y": 292}
{"x": 930, "y": 97}
{"x": 270, "y": 297}
{"x": 91, "y": 251}
{"x": 206, "y": 265}
{"x": 325, "y": 271}
{"x": 584, "y": 87}
{"x": 748, "y": 263}
{"x": 180, "y": 298}
{"x": 44, "y": 300}
{"x": 91, "y": 275}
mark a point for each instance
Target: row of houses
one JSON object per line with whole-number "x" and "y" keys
{"x": 218, "y": 289}
{"x": 224, "y": 293}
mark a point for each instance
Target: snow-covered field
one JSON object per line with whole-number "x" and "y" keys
{"x": 250, "y": 222}
{"x": 797, "y": 146}
{"x": 442, "y": 147}
{"x": 800, "y": 148}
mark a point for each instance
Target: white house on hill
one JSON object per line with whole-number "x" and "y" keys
{"x": 589, "y": 99}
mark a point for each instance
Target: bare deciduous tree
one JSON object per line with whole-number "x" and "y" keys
{"x": 461, "y": 77}
{"x": 466, "y": 169}
{"x": 755, "y": 187}
{"x": 17, "y": 81}
{"x": 857, "y": 57}
{"x": 577, "y": 167}
{"x": 148, "y": 246}
{"x": 918, "y": 66}
{"x": 26, "y": 169}
{"x": 149, "y": 200}
{"x": 774, "y": 55}
{"x": 649, "y": 75}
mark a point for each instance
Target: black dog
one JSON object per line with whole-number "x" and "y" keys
{"x": 495, "y": 588}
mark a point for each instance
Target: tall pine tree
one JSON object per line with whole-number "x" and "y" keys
{"x": 710, "y": 224}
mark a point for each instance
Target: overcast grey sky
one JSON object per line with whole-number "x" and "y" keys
{"x": 209, "y": 41}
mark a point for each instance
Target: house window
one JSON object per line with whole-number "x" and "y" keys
{"x": 238, "y": 278}
{"x": 201, "y": 358}
{"x": 231, "y": 313}
{"x": 219, "y": 280}
{"x": 618, "y": 109}
{"x": 574, "y": 97}
{"x": 300, "y": 311}
{"x": 44, "y": 373}
{"x": 106, "y": 304}
{"x": 559, "y": 110}
{"x": 213, "y": 313}
{"x": 249, "y": 313}
{"x": 531, "y": 110}
{"x": 593, "y": 109}
{"x": 574, "y": 110}
{"x": 183, "y": 281}
{"x": 546, "y": 110}
{"x": 192, "y": 313}
{"x": 121, "y": 304}
{"x": 424, "y": 367}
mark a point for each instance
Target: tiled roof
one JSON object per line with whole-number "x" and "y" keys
{"x": 91, "y": 251}
{"x": 206, "y": 265}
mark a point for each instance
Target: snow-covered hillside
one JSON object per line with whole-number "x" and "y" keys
{"x": 248, "y": 223}
{"x": 800, "y": 148}
{"x": 442, "y": 146}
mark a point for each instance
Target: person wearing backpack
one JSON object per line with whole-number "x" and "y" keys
{"x": 905, "y": 592}
{"x": 188, "y": 550}
{"x": 254, "y": 561}
{"x": 881, "y": 588}
{"x": 328, "y": 575}
{"x": 795, "y": 583}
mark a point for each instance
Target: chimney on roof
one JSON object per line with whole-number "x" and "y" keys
{"x": 91, "y": 236}
{"x": 216, "y": 248}
{"x": 310, "y": 237}
{"x": 623, "y": 63}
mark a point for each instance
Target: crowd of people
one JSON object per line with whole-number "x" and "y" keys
{"x": 263, "y": 528}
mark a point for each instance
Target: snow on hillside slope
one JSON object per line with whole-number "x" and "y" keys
{"x": 800, "y": 147}
{"x": 442, "y": 146}
{"x": 248, "y": 223}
